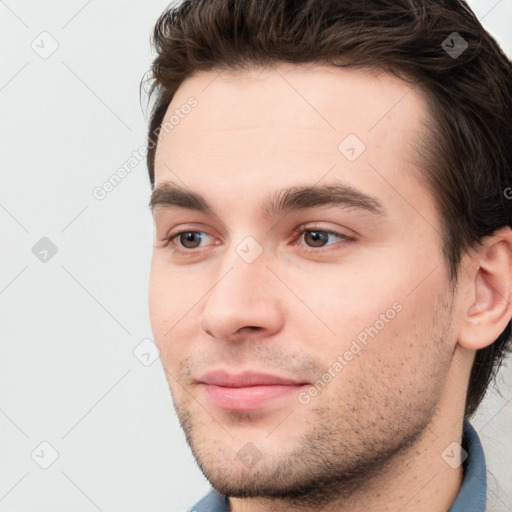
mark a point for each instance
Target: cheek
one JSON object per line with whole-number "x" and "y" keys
{"x": 399, "y": 334}
{"x": 163, "y": 306}
{"x": 169, "y": 289}
{"x": 158, "y": 302}
{"x": 412, "y": 353}
{"x": 349, "y": 302}
{"x": 398, "y": 372}
{"x": 173, "y": 299}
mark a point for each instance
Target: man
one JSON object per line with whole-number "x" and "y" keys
{"x": 332, "y": 271}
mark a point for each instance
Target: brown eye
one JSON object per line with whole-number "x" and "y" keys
{"x": 316, "y": 238}
{"x": 189, "y": 239}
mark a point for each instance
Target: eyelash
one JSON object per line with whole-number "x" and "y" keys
{"x": 300, "y": 230}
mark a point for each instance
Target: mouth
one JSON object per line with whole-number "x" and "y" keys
{"x": 248, "y": 390}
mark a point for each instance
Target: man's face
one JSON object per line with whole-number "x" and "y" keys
{"x": 359, "y": 320}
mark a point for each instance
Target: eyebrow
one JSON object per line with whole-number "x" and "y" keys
{"x": 170, "y": 195}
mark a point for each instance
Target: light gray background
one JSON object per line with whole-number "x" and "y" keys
{"x": 69, "y": 325}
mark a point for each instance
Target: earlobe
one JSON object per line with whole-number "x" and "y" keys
{"x": 490, "y": 309}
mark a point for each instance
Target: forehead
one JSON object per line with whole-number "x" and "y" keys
{"x": 292, "y": 124}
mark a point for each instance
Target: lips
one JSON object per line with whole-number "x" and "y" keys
{"x": 244, "y": 379}
{"x": 247, "y": 390}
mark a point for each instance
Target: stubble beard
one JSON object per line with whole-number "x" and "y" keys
{"x": 343, "y": 446}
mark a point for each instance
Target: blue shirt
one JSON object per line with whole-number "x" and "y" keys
{"x": 472, "y": 496}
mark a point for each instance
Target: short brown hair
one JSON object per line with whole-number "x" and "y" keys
{"x": 468, "y": 151}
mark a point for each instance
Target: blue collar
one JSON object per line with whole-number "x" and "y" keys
{"x": 472, "y": 495}
{"x": 212, "y": 502}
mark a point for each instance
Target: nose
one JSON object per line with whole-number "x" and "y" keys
{"x": 244, "y": 301}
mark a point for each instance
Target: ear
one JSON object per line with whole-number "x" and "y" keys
{"x": 486, "y": 307}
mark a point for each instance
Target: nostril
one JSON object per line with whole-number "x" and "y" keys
{"x": 251, "y": 327}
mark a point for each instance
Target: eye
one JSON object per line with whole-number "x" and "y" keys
{"x": 187, "y": 239}
{"x": 316, "y": 237}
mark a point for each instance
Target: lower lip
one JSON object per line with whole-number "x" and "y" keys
{"x": 246, "y": 398}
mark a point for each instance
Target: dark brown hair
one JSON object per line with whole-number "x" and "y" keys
{"x": 468, "y": 150}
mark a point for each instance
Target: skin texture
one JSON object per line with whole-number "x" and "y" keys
{"x": 372, "y": 438}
